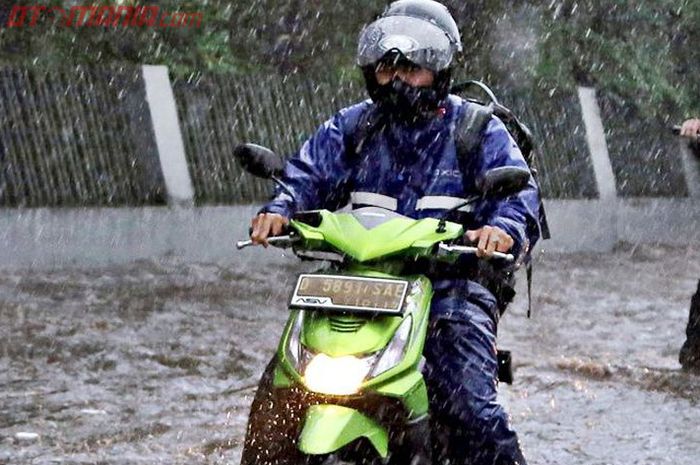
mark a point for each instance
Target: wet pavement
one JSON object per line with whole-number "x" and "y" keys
{"x": 154, "y": 362}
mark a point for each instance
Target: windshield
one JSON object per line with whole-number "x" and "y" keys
{"x": 371, "y": 217}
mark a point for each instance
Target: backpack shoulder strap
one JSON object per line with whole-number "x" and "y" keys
{"x": 360, "y": 129}
{"x": 470, "y": 128}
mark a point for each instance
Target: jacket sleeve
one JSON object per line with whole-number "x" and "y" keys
{"x": 517, "y": 215}
{"x": 315, "y": 174}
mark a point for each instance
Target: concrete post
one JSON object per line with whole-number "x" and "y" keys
{"x": 605, "y": 218}
{"x": 171, "y": 149}
{"x": 597, "y": 145}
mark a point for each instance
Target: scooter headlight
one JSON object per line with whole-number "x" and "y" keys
{"x": 337, "y": 375}
{"x": 394, "y": 352}
{"x": 296, "y": 353}
{"x": 343, "y": 375}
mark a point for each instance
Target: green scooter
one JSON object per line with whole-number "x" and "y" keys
{"x": 346, "y": 382}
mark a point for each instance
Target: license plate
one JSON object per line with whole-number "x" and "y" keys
{"x": 350, "y": 293}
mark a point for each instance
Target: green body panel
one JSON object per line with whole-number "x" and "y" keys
{"x": 374, "y": 334}
{"x": 345, "y": 234}
{"x": 327, "y": 428}
{"x": 281, "y": 379}
{"x": 379, "y": 252}
{"x": 411, "y": 389}
{"x": 402, "y": 381}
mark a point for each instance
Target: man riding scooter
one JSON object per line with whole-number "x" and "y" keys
{"x": 398, "y": 151}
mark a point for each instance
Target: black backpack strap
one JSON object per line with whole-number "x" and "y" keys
{"x": 367, "y": 124}
{"x": 470, "y": 129}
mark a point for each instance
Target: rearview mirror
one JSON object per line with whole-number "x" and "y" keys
{"x": 503, "y": 181}
{"x": 259, "y": 161}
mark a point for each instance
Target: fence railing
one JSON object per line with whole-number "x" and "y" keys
{"x": 84, "y": 137}
{"x": 218, "y": 112}
{"x": 643, "y": 152}
{"x": 77, "y": 136}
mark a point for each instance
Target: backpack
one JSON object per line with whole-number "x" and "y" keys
{"x": 468, "y": 135}
{"x": 467, "y": 138}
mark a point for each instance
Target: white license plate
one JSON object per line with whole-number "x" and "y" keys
{"x": 350, "y": 293}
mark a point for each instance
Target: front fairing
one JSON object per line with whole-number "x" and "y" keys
{"x": 374, "y": 243}
{"x": 372, "y": 234}
{"x": 339, "y": 334}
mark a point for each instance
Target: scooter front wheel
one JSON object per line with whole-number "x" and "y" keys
{"x": 271, "y": 427}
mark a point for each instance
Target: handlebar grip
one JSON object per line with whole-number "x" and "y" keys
{"x": 676, "y": 130}
{"x": 243, "y": 244}
{"x": 280, "y": 241}
{"x": 508, "y": 257}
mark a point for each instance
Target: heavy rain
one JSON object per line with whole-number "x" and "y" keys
{"x": 134, "y": 330}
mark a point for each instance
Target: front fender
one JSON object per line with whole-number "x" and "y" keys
{"x": 327, "y": 428}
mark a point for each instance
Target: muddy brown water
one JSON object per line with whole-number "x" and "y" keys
{"x": 153, "y": 362}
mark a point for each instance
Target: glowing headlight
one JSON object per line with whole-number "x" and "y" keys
{"x": 336, "y": 376}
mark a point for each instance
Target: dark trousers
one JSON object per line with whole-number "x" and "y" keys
{"x": 461, "y": 374}
{"x": 690, "y": 352}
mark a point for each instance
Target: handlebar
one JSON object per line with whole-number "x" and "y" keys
{"x": 278, "y": 241}
{"x": 445, "y": 249}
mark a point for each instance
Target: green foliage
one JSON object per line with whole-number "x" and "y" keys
{"x": 185, "y": 49}
{"x": 637, "y": 51}
{"x": 645, "y": 51}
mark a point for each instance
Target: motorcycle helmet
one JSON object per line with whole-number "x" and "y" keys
{"x": 410, "y": 33}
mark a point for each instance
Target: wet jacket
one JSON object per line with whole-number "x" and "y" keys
{"x": 412, "y": 169}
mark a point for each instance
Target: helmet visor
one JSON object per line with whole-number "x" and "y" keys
{"x": 420, "y": 41}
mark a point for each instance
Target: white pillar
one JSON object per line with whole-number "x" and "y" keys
{"x": 603, "y": 221}
{"x": 597, "y": 145}
{"x": 171, "y": 149}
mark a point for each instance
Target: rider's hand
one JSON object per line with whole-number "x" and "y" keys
{"x": 490, "y": 239}
{"x": 691, "y": 128}
{"x": 265, "y": 225}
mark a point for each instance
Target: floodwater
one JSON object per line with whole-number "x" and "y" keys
{"x": 155, "y": 362}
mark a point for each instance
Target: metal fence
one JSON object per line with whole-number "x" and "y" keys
{"x": 83, "y": 136}
{"x": 79, "y": 136}
{"x": 218, "y": 112}
{"x": 643, "y": 151}
{"x": 556, "y": 122}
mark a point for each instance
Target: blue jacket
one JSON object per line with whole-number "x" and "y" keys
{"x": 412, "y": 169}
